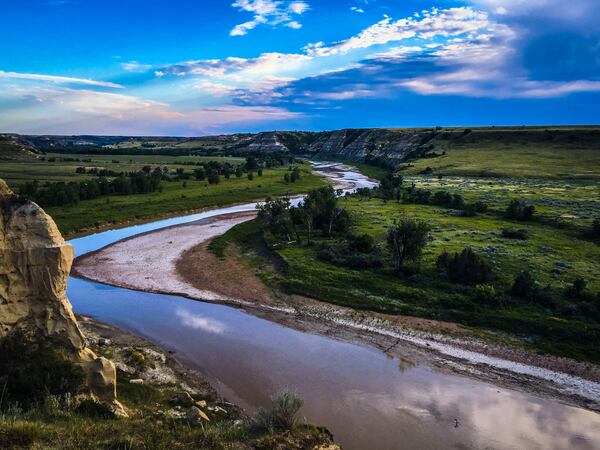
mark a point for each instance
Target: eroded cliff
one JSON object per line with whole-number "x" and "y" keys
{"x": 35, "y": 262}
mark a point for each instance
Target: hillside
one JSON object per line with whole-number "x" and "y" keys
{"x": 16, "y": 148}
{"x": 527, "y": 152}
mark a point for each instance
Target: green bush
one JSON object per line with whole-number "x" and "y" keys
{"x": 485, "y": 293}
{"x": 524, "y": 286}
{"x": 511, "y": 233}
{"x": 466, "y": 267}
{"x": 31, "y": 369}
{"x": 519, "y": 210}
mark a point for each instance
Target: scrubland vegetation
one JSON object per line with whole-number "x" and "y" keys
{"x": 86, "y": 192}
{"x": 422, "y": 247}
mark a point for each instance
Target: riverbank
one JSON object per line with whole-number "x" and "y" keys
{"x": 176, "y": 261}
{"x": 169, "y": 406}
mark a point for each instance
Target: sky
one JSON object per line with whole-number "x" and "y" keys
{"x": 197, "y": 67}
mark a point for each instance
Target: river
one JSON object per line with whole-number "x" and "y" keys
{"x": 368, "y": 399}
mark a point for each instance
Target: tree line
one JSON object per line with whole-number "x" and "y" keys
{"x": 66, "y": 194}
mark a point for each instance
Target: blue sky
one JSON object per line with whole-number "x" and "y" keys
{"x": 175, "y": 67}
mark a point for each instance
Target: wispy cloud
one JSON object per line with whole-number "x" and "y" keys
{"x": 58, "y": 79}
{"x": 269, "y": 12}
{"x": 135, "y": 66}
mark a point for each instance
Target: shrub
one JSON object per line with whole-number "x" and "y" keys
{"x": 466, "y": 267}
{"x": 31, "y": 369}
{"x": 363, "y": 243}
{"x": 595, "y": 230}
{"x": 282, "y": 414}
{"x": 213, "y": 178}
{"x": 524, "y": 286}
{"x": 472, "y": 209}
{"x": 519, "y": 210}
{"x": 577, "y": 289}
{"x": 511, "y": 233}
{"x": 485, "y": 293}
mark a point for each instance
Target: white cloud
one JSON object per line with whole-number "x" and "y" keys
{"x": 135, "y": 66}
{"x": 429, "y": 24}
{"x": 58, "y": 79}
{"x": 298, "y": 7}
{"x": 39, "y": 109}
{"x": 357, "y": 9}
{"x": 270, "y": 12}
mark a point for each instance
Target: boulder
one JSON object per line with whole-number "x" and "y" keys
{"x": 35, "y": 262}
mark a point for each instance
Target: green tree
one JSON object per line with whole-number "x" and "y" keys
{"x": 406, "y": 239}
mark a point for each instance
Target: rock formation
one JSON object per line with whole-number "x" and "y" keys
{"x": 35, "y": 263}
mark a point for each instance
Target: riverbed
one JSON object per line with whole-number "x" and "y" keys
{"x": 368, "y": 398}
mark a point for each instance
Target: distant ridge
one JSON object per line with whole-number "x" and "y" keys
{"x": 381, "y": 146}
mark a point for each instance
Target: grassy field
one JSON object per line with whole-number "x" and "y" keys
{"x": 519, "y": 160}
{"x": 178, "y": 196}
{"x": 61, "y": 167}
{"x": 562, "y": 202}
{"x": 174, "y": 196}
{"x": 554, "y": 256}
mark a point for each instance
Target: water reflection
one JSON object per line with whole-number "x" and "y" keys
{"x": 199, "y": 322}
{"x": 366, "y": 398}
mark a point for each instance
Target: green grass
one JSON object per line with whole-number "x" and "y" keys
{"x": 520, "y": 160}
{"x": 176, "y": 198}
{"x": 375, "y": 172}
{"x": 572, "y": 202}
{"x": 26, "y": 168}
{"x": 429, "y": 294}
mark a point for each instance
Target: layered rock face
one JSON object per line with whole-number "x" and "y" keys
{"x": 35, "y": 262}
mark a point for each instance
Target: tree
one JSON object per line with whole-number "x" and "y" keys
{"x": 466, "y": 267}
{"x": 250, "y": 176}
{"x": 238, "y": 172}
{"x": 519, "y": 210}
{"x": 391, "y": 186}
{"x": 276, "y": 214}
{"x": 295, "y": 175}
{"x": 251, "y": 163}
{"x": 406, "y": 240}
{"x": 524, "y": 286}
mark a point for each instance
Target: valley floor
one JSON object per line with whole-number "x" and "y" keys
{"x": 176, "y": 261}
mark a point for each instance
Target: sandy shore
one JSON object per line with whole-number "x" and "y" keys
{"x": 147, "y": 262}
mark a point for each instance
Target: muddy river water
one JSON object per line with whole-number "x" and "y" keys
{"x": 368, "y": 399}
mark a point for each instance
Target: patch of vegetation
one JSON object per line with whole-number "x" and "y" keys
{"x": 31, "y": 369}
{"x": 480, "y": 284}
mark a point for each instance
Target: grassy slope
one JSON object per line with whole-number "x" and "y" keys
{"x": 565, "y": 208}
{"x": 177, "y": 198}
{"x": 522, "y": 160}
{"x": 429, "y": 294}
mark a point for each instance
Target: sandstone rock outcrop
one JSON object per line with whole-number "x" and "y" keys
{"x": 35, "y": 262}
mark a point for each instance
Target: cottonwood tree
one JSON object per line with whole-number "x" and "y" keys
{"x": 406, "y": 239}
